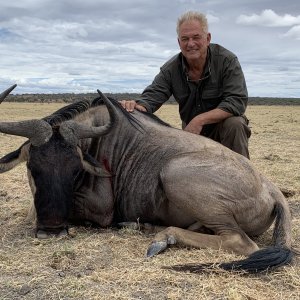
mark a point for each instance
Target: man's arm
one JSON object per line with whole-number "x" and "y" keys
{"x": 234, "y": 103}
{"x": 235, "y": 94}
{"x": 213, "y": 116}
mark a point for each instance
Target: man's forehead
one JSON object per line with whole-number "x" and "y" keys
{"x": 191, "y": 27}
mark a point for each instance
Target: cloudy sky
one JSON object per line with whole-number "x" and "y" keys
{"x": 57, "y": 46}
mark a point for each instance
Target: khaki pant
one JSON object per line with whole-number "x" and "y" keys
{"x": 233, "y": 133}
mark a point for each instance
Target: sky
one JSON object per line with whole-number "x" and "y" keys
{"x": 117, "y": 46}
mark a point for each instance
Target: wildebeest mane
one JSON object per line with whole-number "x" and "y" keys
{"x": 155, "y": 118}
{"x": 70, "y": 111}
{"x": 133, "y": 121}
{"x": 130, "y": 116}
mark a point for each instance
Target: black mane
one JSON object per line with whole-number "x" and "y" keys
{"x": 133, "y": 121}
{"x": 156, "y": 118}
{"x": 130, "y": 117}
{"x": 70, "y": 111}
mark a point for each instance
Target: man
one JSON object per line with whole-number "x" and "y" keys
{"x": 208, "y": 83}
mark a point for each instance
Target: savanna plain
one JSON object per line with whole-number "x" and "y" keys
{"x": 106, "y": 263}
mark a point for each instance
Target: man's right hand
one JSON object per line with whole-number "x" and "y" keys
{"x": 130, "y": 105}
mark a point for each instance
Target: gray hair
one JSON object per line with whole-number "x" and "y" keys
{"x": 193, "y": 16}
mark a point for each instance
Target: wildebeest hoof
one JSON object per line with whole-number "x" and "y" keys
{"x": 42, "y": 234}
{"x": 156, "y": 247}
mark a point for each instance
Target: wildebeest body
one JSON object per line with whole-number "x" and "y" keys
{"x": 138, "y": 160}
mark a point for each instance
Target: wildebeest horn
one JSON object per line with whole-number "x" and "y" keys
{"x": 73, "y": 131}
{"x": 6, "y": 92}
{"x": 113, "y": 113}
{"x": 37, "y": 131}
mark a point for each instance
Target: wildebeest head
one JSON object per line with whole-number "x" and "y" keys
{"x": 52, "y": 169}
{"x": 54, "y": 161}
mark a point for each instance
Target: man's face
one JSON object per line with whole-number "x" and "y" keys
{"x": 193, "y": 41}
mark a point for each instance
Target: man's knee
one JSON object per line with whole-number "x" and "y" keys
{"x": 235, "y": 134}
{"x": 236, "y": 125}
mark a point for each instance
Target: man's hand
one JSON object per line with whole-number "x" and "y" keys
{"x": 193, "y": 127}
{"x": 130, "y": 105}
{"x": 210, "y": 117}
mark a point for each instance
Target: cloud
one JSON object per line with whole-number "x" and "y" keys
{"x": 118, "y": 46}
{"x": 269, "y": 18}
{"x": 212, "y": 18}
{"x": 294, "y": 32}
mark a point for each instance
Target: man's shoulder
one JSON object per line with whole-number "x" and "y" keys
{"x": 218, "y": 50}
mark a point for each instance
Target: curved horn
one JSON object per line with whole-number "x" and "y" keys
{"x": 113, "y": 112}
{"x": 37, "y": 131}
{"x": 6, "y": 92}
{"x": 73, "y": 131}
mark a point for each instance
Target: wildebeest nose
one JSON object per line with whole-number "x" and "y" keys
{"x": 43, "y": 234}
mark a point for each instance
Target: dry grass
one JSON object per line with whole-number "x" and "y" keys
{"x": 110, "y": 264}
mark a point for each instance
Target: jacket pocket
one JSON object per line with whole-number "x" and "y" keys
{"x": 211, "y": 98}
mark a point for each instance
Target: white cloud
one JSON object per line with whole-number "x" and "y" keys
{"x": 212, "y": 18}
{"x": 269, "y": 18}
{"x": 294, "y": 32}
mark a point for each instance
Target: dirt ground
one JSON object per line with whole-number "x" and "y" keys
{"x": 111, "y": 264}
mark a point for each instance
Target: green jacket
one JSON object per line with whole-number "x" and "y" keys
{"x": 223, "y": 86}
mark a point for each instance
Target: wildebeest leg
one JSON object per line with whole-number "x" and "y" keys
{"x": 144, "y": 227}
{"x": 198, "y": 227}
{"x": 231, "y": 241}
{"x": 150, "y": 228}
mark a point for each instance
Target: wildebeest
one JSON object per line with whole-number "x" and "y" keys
{"x": 94, "y": 162}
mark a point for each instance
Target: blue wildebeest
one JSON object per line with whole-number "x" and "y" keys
{"x": 98, "y": 163}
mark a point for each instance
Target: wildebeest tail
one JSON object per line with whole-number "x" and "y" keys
{"x": 270, "y": 258}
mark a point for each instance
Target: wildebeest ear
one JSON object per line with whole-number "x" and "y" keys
{"x": 92, "y": 166}
{"x": 11, "y": 160}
